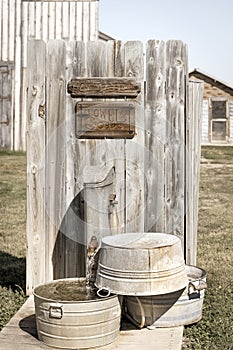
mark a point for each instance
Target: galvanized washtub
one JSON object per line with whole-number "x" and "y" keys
{"x": 172, "y": 309}
{"x": 70, "y": 316}
{"x": 141, "y": 264}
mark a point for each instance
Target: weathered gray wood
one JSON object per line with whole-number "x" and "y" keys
{"x": 5, "y": 105}
{"x": 193, "y": 153}
{"x": 176, "y": 85}
{"x": 74, "y": 254}
{"x": 35, "y": 165}
{"x": 134, "y": 152}
{"x": 104, "y": 87}
{"x": 55, "y": 150}
{"x": 155, "y": 126}
{"x": 24, "y": 20}
{"x": 150, "y": 170}
{"x": 115, "y": 149}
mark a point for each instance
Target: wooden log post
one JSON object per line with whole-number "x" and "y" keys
{"x": 193, "y": 153}
{"x": 176, "y": 87}
{"x": 155, "y": 127}
{"x": 36, "y": 239}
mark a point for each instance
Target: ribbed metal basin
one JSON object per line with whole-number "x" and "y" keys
{"x": 172, "y": 309}
{"x": 141, "y": 264}
{"x": 69, "y": 316}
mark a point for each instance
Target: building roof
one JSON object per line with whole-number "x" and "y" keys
{"x": 212, "y": 80}
{"x": 104, "y": 36}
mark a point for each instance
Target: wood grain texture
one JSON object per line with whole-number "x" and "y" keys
{"x": 193, "y": 154}
{"x": 134, "y": 152}
{"x": 36, "y": 239}
{"x": 152, "y": 181}
{"x": 176, "y": 84}
{"x": 55, "y": 147}
{"x": 104, "y": 87}
{"x": 155, "y": 126}
{"x": 21, "y": 21}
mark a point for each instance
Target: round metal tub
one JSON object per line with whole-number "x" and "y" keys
{"x": 141, "y": 264}
{"x": 70, "y": 316}
{"x": 173, "y": 309}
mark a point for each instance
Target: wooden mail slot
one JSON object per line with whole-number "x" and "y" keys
{"x": 105, "y": 120}
{"x": 104, "y": 87}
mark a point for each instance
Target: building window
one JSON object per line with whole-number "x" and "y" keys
{"x": 218, "y": 119}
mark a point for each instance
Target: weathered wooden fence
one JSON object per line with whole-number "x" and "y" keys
{"x": 24, "y": 20}
{"x": 153, "y": 175}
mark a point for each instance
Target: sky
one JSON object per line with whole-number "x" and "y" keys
{"x": 206, "y": 26}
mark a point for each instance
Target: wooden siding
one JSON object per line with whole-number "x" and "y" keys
{"x": 214, "y": 89}
{"x": 21, "y": 21}
{"x": 205, "y": 122}
{"x": 150, "y": 171}
{"x": 231, "y": 121}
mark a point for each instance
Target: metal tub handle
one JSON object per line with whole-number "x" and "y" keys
{"x": 192, "y": 288}
{"x": 56, "y": 311}
{"x": 103, "y": 293}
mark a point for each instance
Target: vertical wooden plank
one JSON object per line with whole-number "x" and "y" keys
{"x": 38, "y": 20}
{"x": 16, "y": 112}
{"x": 86, "y": 21}
{"x": 65, "y": 20}
{"x": 70, "y": 242}
{"x": 5, "y": 30}
{"x": 5, "y": 105}
{"x": 25, "y": 32}
{"x": 134, "y": 67}
{"x": 58, "y": 20}
{"x": 51, "y": 21}
{"x": 12, "y": 16}
{"x": 193, "y": 154}
{"x": 22, "y": 141}
{"x": 35, "y": 165}
{"x": 72, "y": 23}
{"x": 94, "y": 20}
{"x": 55, "y": 148}
{"x": 78, "y": 24}
{"x": 177, "y": 72}
{"x": 155, "y": 126}
{"x": 117, "y": 147}
{"x": 44, "y": 20}
{"x": 20, "y": 76}
{"x": 31, "y": 19}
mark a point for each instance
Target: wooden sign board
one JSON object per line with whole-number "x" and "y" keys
{"x": 105, "y": 120}
{"x": 104, "y": 87}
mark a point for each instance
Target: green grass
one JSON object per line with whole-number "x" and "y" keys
{"x": 215, "y": 252}
{"x": 12, "y": 233}
{"x": 215, "y": 245}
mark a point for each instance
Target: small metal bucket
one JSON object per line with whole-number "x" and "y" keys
{"x": 141, "y": 264}
{"x": 70, "y": 316}
{"x": 179, "y": 308}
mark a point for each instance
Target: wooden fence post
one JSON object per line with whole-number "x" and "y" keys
{"x": 155, "y": 126}
{"x": 36, "y": 241}
{"x": 193, "y": 153}
{"x": 55, "y": 151}
{"x": 176, "y": 85}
